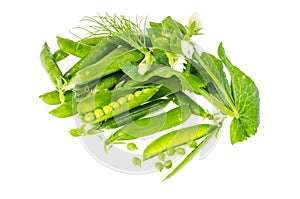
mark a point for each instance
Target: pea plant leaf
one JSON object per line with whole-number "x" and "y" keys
{"x": 157, "y": 70}
{"x": 246, "y": 99}
{"x": 216, "y": 80}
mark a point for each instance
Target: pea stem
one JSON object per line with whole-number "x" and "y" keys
{"x": 191, "y": 155}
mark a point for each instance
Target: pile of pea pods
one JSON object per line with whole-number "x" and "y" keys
{"x": 103, "y": 96}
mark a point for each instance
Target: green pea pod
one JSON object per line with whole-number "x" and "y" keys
{"x": 108, "y": 82}
{"x": 92, "y": 41}
{"x": 52, "y": 98}
{"x": 151, "y": 125}
{"x": 181, "y": 98}
{"x": 106, "y": 66}
{"x": 170, "y": 85}
{"x": 92, "y": 102}
{"x": 177, "y": 138}
{"x": 51, "y": 66}
{"x": 98, "y": 52}
{"x": 65, "y": 110}
{"x": 59, "y": 55}
{"x": 77, "y": 49}
{"x": 135, "y": 114}
{"x": 124, "y": 104}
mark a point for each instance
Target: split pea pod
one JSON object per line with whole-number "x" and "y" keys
{"x": 78, "y": 49}
{"x": 102, "y": 48}
{"x": 94, "y": 111}
{"x": 106, "y": 66}
{"x": 135, "y": 114}
{"x": 177, "y": 138}
{"x": 51, "y": 66}
{"x": 151, "y": 125}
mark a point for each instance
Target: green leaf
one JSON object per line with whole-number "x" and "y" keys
{"x": 211, "y": 69}
{"x": 157, "y": 70}
{"x": 170, "y": 25}
{"x": 246, "y": 99}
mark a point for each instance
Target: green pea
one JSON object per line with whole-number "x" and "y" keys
{"x": 98, "y": 113}
{"x": 122, "y": 100}
{"x": 192, "y": 144}
{"x": 130, "y": 97}
{"x": 137, "y": 93}
{"x": 131, "y": 147}
{"x": 114, "y": 105}
{"x": 168, "y": 164}
{"x": 170, "y": 151}
{"x": 180, "y": 151}
{"x": 159, "y": 166}
{"x": 136, "y": 161}
{"x": 89, "y": 117}
{"x": 146, "y": 90}
{"x": 161, "y": 156}
{"x": 107, "y": 109}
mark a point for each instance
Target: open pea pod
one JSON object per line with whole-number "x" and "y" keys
{"x": 177, "y": 138}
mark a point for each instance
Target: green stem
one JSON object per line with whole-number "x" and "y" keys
{"x": 217, "y": 103}
{"x": 215, "y": 79}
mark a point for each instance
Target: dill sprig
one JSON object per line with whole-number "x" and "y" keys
{"x": 113, "y": 25}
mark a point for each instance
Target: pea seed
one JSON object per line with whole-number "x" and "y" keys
{"x": 168, "y": 164}
{"x": 192, "y": 144}
{"x": 159, "y": 166}
{"x": 89, "y": 117}
{"x": 170, "y": 151}
{"x": 146, "y": 90}
{"x": 98, "y": 113}
{"x": 122, "y": 100}
{"x": 136, "y": 161}
{"x": 137, "y": 93}
{"x": 107, "y": 109}
{"x": 131, "y": 146}
{"x": 180, "y": 151}
{"x": 114, "y": 105}
{"x": 130, "y": 97}
{"x": 161, "y": 156}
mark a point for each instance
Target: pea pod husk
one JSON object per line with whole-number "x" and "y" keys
{"x": 65, "y": 110}
{"x": 177, "y": 138}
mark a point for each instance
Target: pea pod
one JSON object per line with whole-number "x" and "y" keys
{"x": 135, "y": 114}
{"x": 92, "y": 41}
{"x": 98, "y": 52}
{"x": 65, "y": 110}
{"x": 77, "y": 49}
{"x": 151, "y": 125}
{"x": 123, "y": 103}
{"x": 59, "y": 55}
{"x": 106, "y": 66}
{"x": 52, "y": 98}
{"x": 108, "y": 82}
{"x": 177, "y": 138}
{"x": 51, "y": 66}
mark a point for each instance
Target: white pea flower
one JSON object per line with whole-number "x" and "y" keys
{"x": 142, "y": 69}
{"x": 179, "y": 63}
{"x": 187, "y": 49}
{"x": 195, "y": 18}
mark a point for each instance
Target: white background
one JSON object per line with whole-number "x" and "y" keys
{"x": 39, "y": 159}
